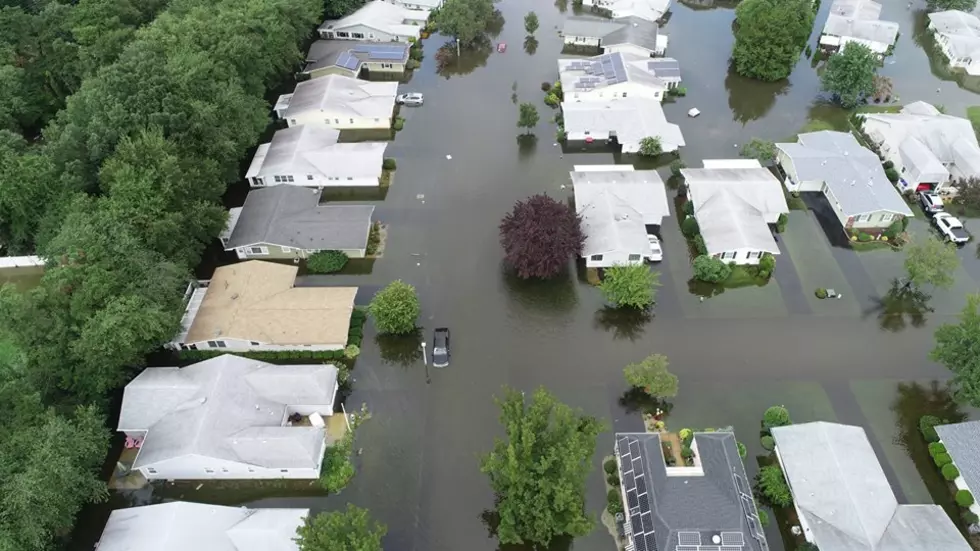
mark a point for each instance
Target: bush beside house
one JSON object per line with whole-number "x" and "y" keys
{"x": 326, "y": 262}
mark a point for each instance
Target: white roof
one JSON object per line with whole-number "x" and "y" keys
{"x": 651, "y": 10}
{"x": 383, "y": 16}
{"x": 342, "y": 96}
{"x": 944, "y": 140}
{"x": 962, "y": 31}
{"x": 313, "y": 149}
{"x": 230, "y": 408}
{"x": 852, "y": 173}
{"x": 632, "y": 119}
{"x": 839, "y": 488}
{"x": 605, "y": 70}
{"x": 185, "y": 526}
{"x": 616, "y": 206}
{"x": 732, "y": 203}
{"x": 859, "y": 19}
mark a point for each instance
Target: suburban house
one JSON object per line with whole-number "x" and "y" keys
{"x": 418, "y": 4}
{"x": 848, "y": 175}
{"x": 334, "y": 57}
{"x": 255, "y": 305}
{"x": 707, "y": 506}
{"x": 339, "y": 102}
{"x": 930, "y": 150}
{"x": 843, "y": 500}
{"x": 310, "y": 156}
{"x": 186, "y": 526}
{"x": 629, "y": 34}
{"x": 626, "y": 120}
{"x": 961, "y": 441}
{"x": 617, "y": 75}
{"x": 229, "y": 417}
{"x": 650, "y": 10}
{"x": 617, "y": 203}
{"x": 958, "y": 36}
{"x": 734, "y": 201}
{"x": 857, "y": 21}
{"x": 289, "y": 222}
{"x": 377, "y": 21}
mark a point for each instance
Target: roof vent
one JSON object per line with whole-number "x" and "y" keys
{"x": 234, "y": 296}
{"x": 716, "y": 539}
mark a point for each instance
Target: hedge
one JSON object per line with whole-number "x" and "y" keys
{"x": 936, "y": 447}
{"x": 964, "y": 498}
{"x": 927, "y": 426}
{"x": 610, "y": 466}
{"x": 942, "y": 459}
{"x": 768, "y": 443}
{"x": 950, "y": 472}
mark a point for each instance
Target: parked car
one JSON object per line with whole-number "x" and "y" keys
{"x": 440, "y": 347}
{"x": 931, "y": 202}
{"x": 656, "y": 252}
{"x": 413, "y": 98}
{"x": 951, "y": 227}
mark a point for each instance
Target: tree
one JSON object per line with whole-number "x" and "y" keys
{"x": 652, "y": 376}
{"x": 850, "y": 74}
{"x": 465, "y": 20}
{"x": 772, "y": 486}
{"x": 539, "y": 235}
{"x": 531, "y": 22}
{"x": 395, "y": 309}
{"x": 967, "y": 193}
{"x": 632, "y": 285}
{"x": 335, "y": 9}
{"x": 769, "y": 36}
{"x": 651, "y": 146}
{"x": 929, "y": 261}
{"x": 326, "y": 262}
{"x": 710, "y": 269}
{"x": 348, "y": 530}
{"x": 943, "y": 5}
{"x": 538, "y": 470}
{"x": 776, "y": 416}
{"x": 958, "y": 348}
{"x": 528, "y": 116}
{"x": 763, "y": 151}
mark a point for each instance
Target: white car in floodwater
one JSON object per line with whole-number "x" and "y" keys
{"x": 656, "y": 252}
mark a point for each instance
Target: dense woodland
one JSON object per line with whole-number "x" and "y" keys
{"x": 123, "y": 122}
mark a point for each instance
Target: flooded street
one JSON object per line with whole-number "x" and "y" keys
{"x": 856, "y": 360}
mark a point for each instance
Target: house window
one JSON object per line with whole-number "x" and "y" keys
{"x": 278, "y": 179}
{"x": 342, "y": 35}
{"x": 357, "y": 35}
{"x": 289, "y": 179}
{"x": 753, "y": 254}
{"x": 284, "y": 470}
{"x": 224, "y": 470}
{"x": 251, "y": 470}
{"x": 887, "y": 217}
{"x": 624, "y": 94}
{"x": 336, "y": 121}
{"x": 309, "y": 176}
{"x": 292, "y": 122}
{"x": 634, "y": 258}
{"x": 596, "y": 257}
{"x": 587, "y": 133}
{"x": 350, "y": 177}
{"x": 258, "y": 250}
{"x": 286, "y": 249}
{"x": 253, "y": 343}
{"x": 862, "y": 217}
{"x": 212, "y": 344}
{"x": 151, "y": 471}
{"x": 726, "y": 255}
{"x": 209, "y": 471}
{"x": 352, "y": 121}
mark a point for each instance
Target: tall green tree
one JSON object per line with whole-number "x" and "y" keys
{"x": 652, "y": 376}
{"x": 929, "y": 261}
{"x": 531, "y": 22}
{"x": 943, "y": 5}
{"x": 763, "y": 151}
{"x": 958, "y": 348}
{"x": 630, "y": 285}
{"x": 465, "y": 20}
{"x": 850, "y": 74}
{"x": 348, "y": 530}
{"x": 538, "y": 469}
{"x": 528, "y": 116}
{"x": 395, "y": 309}
{"x": 769, "y": 37}
{"x": 651, "y": 146}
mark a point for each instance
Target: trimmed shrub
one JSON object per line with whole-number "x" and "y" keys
{"x": 772, "y": 485}
{"x": 950, "y": 472}
{"x": 351, "y": 351}
{"x": 326, "y": 262}
{"x": 936, "y": 447}
{"x": 766, "y": 265}
{"x": 355, "y": 334}
{"x": 398, "y": 124}
{"x": 389, "y": 164}
{"x": 970, "y": 517}
{"x": 887, "y": 164}
{"x": 610, "y": 466}
{"x": 374, "y": 239}
{"x": 768, "y": 443}
{"x": 781, "y": 223}
{"x": 613, "y": 480}
{"x": 763, "y": 517}
{"x": 675, "y": 169}
{"x": 412, "y": 64}
{"x": 864, "y": 237}
{"x": 776, "y": 416}
{"x": 686, "y": 436}
{"x": 699, "y": 245}
{"x": 927, "y": 426}
{"x": 711, "y": 270}
{"x": 892, "y": 175}
{"x": 820, "y": 292}
{"x": 551, "y": 100}
{"x": 687, "y": 452}
{"x": 688, "y": 209}
{"x": 942, "y": 459}
{"x": 893, "y": 230}
{"x": 964, "y": 498}
{"x": 545, "y": 86}
{"x": 742, "y": 452}
{"x": 689, "y": 227}
{"x": 614, "y": 501}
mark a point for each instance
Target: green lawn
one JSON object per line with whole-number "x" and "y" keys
{"x": 973, "y": 113}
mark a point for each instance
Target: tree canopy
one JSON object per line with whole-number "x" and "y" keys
{"x": 465, "y": 20}
{"x": 630, "y": 285}
{"x": 650, "y": 146}
{"x": 528, "y": 116}
{"x": 539, "y": 236}
{"x": 763, "y": 151}
{"x": 395, "y": 309}
{"x": 538, "y": 469}
{"x": 943, "y": 5}
{"x": 769, "y": 36}
{"x": 929, "y": 261}
{"x": 652, "y": 376}
{"x": 850, "y": 74}
{"x": 348, "y": 530}
{"x": 958, "y": 348}
{"x": 531, "y": 22}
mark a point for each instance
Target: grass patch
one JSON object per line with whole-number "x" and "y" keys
{"x": 795, "y": 202}
{"x": 386, "y": 178}
{"x": 817, "y": 125}
{"x": 871, "y": 245}
{"x": 878, "y": 109}
{"x": 973, "y": 113}
{"x": 744, "y": 276}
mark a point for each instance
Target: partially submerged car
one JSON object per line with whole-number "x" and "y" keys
{"x": 440, "y": 347}
{"x": 413, "y": 98}
{"x": 951, "y": 227}
{"x": 656, "y": 252}
{"x": 931, "y": 202}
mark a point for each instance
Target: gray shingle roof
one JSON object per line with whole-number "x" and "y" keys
{"x": 961, "y": 29}
{"x": 962, "y": 441}
{"x": 185, "y": 526}
{"x": 291, "y": 216}
{"x": 227, "y": 407}
{"x": 327, "y": 53}
{"x": 636, "y": 31}
{"x": 853, "y": 174}
{"x": 859, "y": 19}
{"x": 589, "y": 27}
{"x": 707, "y": 504}
{"x": 842, "y": 493}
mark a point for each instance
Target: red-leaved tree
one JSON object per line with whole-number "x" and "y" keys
{"x": 539, "y": 235}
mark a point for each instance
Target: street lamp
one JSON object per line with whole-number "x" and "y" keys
{"x": 425, "y": 360}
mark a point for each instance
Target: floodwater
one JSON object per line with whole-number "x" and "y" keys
{"x": 861, "y": 359}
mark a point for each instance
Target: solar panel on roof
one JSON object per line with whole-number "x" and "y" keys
{"x": 731, "y": 548}
{"x": 641, "y": 485}
{"x": 632, "y": 499}
{"x": 347, "y": 61}
{"x": 732, "y": 538}
{"x": 688, "y": 538}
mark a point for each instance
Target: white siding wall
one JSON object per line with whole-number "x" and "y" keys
{"x": 614, "y": 258}
{"x": 878, "y": 219}
{"x": 742, "y": 256}
{"x": 629, "y": 48}
{"x": 234, "y": 345}
{"x": 581, "y": 40}
{"x": 337, "y": 177}
{"x": 876, "y": 47}
{"x": 972, "y": 66}
{"x": 196, "y": 467}
{"x": 340, "y": 121}
{"x": 616, "y": 91}
{"x": 277, "y": 252}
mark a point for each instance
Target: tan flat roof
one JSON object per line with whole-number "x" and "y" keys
{"x": 256, "y": 301}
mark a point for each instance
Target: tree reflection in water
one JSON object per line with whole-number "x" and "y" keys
{"x": 900, "y": 307}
